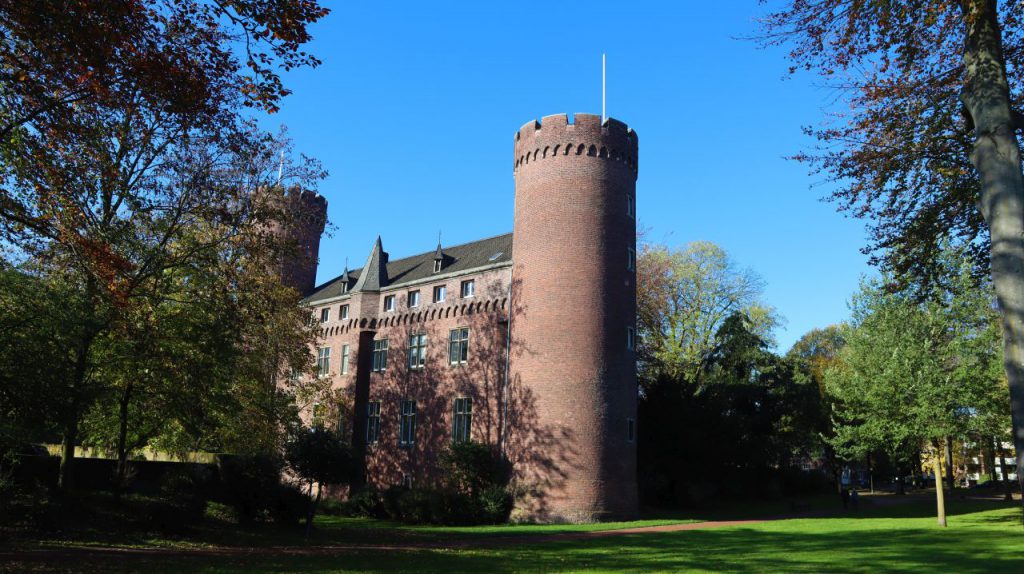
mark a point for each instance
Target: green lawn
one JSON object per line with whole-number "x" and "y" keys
{"x": 983, "y": 537}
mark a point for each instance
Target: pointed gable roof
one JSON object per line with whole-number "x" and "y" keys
{"x": 464, "y": 258}
{"x": 375, "y": 272}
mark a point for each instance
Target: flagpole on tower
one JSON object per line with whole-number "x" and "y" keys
{"x": 604, "y": 115}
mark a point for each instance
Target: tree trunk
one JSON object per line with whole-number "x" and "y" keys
{"x": 65, "y": 476}
{"x": 1007, "y": 491}
{"x": 122, "y": 437}
{"x": 949, "y": 464}
{"x": 900, "y": 486}
{"x": 996, "y": 156}
{"x": 940, "y": 497}
{"x": 313, "y": 506}
{"x": 992, "y": 460}
{"x": 871, "y": 474}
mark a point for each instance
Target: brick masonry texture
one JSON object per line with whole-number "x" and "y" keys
{"x": 552, "y": 381}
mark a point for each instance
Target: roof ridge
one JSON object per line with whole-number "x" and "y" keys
{"x": 414, "y": 256}
{"x": 446, "y": 247}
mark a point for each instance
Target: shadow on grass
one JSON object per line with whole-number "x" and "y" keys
{"x": 974, "y": 544}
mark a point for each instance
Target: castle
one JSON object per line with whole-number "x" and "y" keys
{"x": 524, "y": 341}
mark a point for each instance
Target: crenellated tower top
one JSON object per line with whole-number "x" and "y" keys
{"x": 554, "y": 136}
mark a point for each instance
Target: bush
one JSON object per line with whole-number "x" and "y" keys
{"x": 182, "y": 487}
{"x": 220, "y": 512}
{"x": 472, "y": 466}
{"x": 251, "y": 485}
{"x": 288, "y": 505}
{"x": 495, "y": 504}
{"x": 366, "y": 502}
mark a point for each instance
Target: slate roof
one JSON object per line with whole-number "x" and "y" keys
{"x": 465, "y": 257}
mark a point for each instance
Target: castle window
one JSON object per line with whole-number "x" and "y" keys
{"x": 468, "y": 288}
{"x": 437, "y": 266}
{"x": 344, "y": 287}
{"x": 440, "y": 292}
{"x": 325, "y": 314}
{"x": 407, "y": 480}
{"x": 311, "y": 319}
{"x": 344, "y": 359}
{"x": 380, "y": 355}
{"x": 413, "y": 298}
{"x": 458, "y": 346}
{"x": 323, "y": 361}
{"x": 630, "y": 338}
{"x": 631, "y": 259}
{"x": 372, "y": 422}
{"x": 343, "y": 312}
{"x": 417, "y": 351}
{"x": 389, "y": 303}
{"x": 462, "y": 420}
{"x": 318, "y": 415}
{"x": 630, "y": 206}
{"x": 630, "y": 430}
{"x": 407, "y": 424}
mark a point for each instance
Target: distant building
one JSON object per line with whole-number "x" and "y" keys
{"x": 524, "y": 341}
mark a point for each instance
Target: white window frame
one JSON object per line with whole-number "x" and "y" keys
{"x": 343, "y": 312}
{"x": 413, "y": 299}
{"x": 389, "y": 302}
{"x": 458, "y": 346}
{"x": 437, "y": 266}
{"x": 467, "y": 288}
{"x": 372, "y": 422}
{"x": 325, "y": 315}
{"x": 417, "y": 350}
{"x": 462, "y": 419}
{"x": 380, "y": 355}
{"x": 323, "y": 361}
{"x": 344, "y": 359}
{"x": 407, "y": 423}
{"x": 440, "y": 293}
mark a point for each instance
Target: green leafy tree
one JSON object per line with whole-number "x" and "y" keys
{"x": 811, "y": 356}
{"x": 319, "y": 457}
{"x": 683, "y": 298}
{"x": 914, "y": 374}
{"x": 749, "y": 397}
{"x": 928, "y": 148}
{"x": 123, "y": 132}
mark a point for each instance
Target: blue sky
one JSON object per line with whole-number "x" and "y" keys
{"x": 414, "y": 109}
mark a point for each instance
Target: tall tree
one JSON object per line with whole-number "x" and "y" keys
{"x": 914, "y": 374}
{"x": 115, "y": 118}
{"x": 684, "y": 296}
{"x": 812, "y": 355}
{"x": 929, "y": 150}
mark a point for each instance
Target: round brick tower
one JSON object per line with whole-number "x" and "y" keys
{"x": 574, "y": 313}
{"x": 307, "y": 216}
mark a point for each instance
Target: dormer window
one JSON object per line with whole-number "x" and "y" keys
{"x": 344, "y": 287}
{"x": 437, "y": 266}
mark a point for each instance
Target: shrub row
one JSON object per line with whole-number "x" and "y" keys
{"x": 489, "y": 505}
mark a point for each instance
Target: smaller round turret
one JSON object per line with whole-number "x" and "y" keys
{"x": 305, "y": 218}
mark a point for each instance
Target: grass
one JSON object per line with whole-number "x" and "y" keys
{"x": 983, "y": 536}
